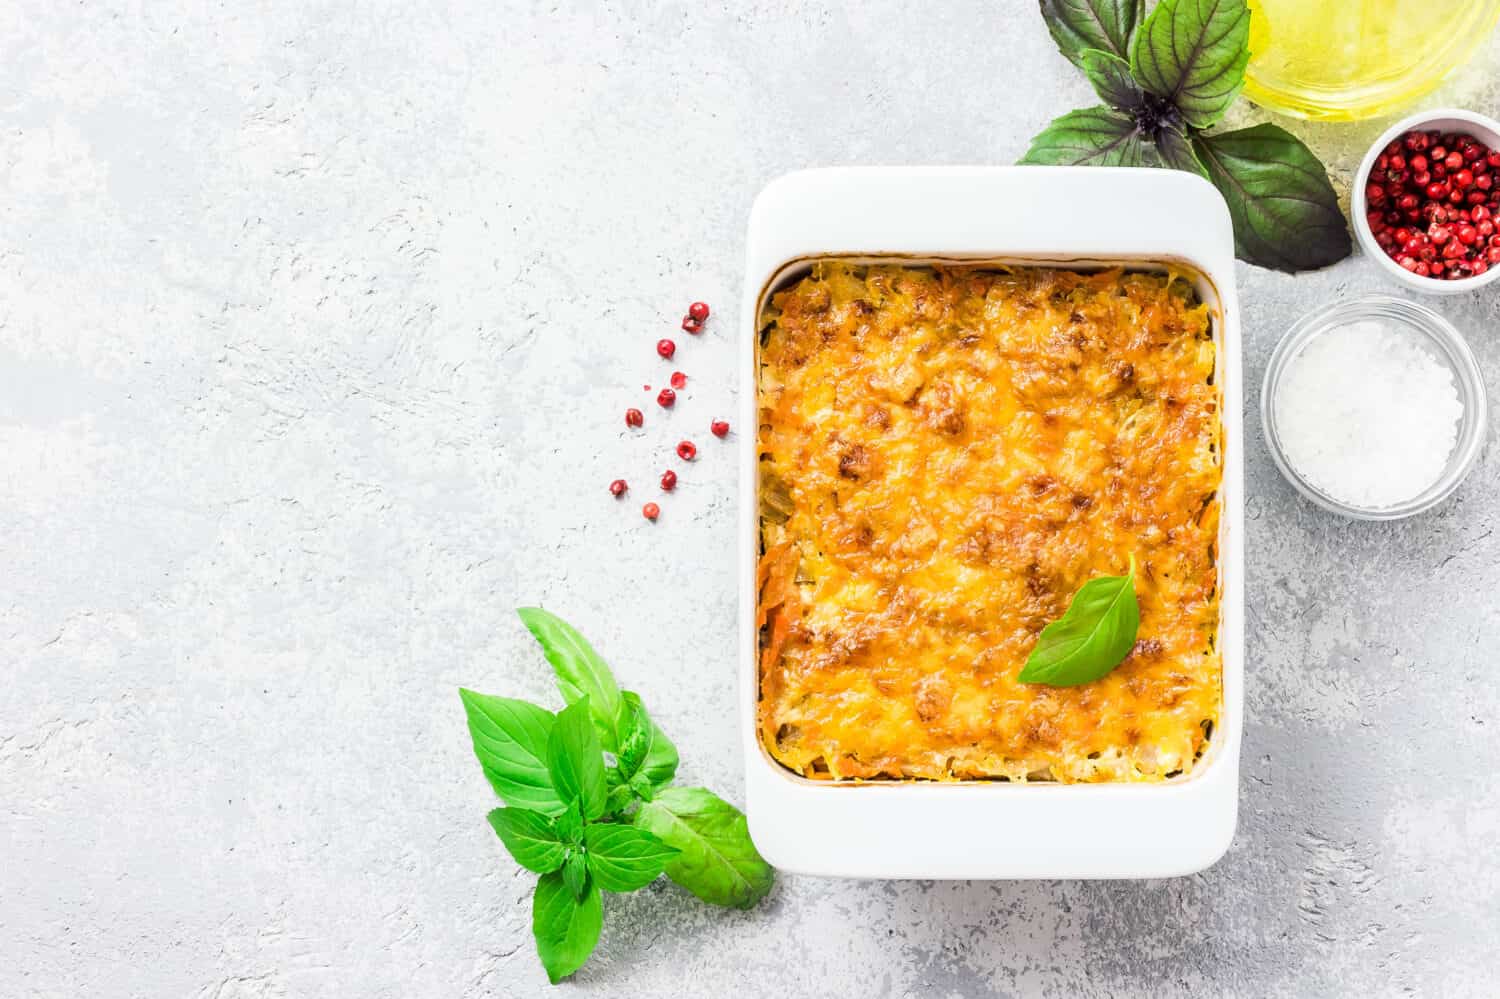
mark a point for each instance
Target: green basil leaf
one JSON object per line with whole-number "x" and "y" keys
{"x": 581, "y": 672}
{"x": 644, "y": 747}
{"x": 619, "y": 798}
{"x": 1097, "y": 136}
{"x": 1193, "y": 53}
{"x": 530, "y": 838}
{"x": 717, "y": 862}
{"x": 566, "y": 928}
{"x": 1112, "y": 81}
{"x": 569, "y": 826}
{"x": 1176, "y": 151}
{"x": 1285, "y": 213}
{"x": 636, "y": 734}
{"x": 1094, "y": 636}
{"x": 510, "y": 740}
{"x": 642, "y": 786}
{"x": 1080, "y": 25}
{"x": 575, "y": 760}
{"x": 624, "y": 858}
{"x": 575, "y": 872}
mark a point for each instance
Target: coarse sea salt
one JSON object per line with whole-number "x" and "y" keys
{"x": 1367, "y": 414}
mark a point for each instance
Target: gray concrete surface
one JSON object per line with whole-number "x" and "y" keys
{"x": 316, "y": 325}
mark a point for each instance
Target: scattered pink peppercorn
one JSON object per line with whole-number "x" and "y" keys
{"x": 678, "y": 379}
{"x": 698, "y": 311}
{"x": 651, "y": 511}
{"x": 665, "y": 398}
{"x": 691, "y": 325}
{"x": 720, "y": 428}
{"x": 634, "y": 417}
{"x": 668, "y": 480}
{"x": 617, "y": 488}
{"x": 666, "y": 348}
{"x": 687, "y": 450}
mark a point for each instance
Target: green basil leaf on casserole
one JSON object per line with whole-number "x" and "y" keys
{"x": 1092, "y": 637}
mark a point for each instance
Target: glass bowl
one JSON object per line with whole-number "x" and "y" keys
{"x": 1343, "y": 60}
{"x": 1441, "y": 340}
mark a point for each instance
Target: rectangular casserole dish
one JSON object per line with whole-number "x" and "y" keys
{"x": 1079, "y": 218}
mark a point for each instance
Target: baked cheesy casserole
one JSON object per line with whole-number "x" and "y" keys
{"x": 946, "y": 455}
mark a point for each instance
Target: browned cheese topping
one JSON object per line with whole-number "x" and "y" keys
{"x": 947, "y": 455}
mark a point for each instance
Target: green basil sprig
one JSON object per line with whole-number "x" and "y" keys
{"x": 589, "y": 823}
{"x": 1164, "y": 79}
{"x": 1092, "y": 637}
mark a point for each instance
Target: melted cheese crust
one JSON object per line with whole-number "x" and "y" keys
{"x": 947, "y": 455}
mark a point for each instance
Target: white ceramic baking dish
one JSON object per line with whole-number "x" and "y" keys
{"x": 1068, "y": 216}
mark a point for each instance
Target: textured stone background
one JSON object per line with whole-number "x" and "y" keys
{"x": 316, "y": 323}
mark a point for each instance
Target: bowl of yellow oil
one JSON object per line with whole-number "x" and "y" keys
{"x": 1340, "y": 60}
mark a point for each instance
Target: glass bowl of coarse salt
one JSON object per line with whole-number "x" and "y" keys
{"x": 1374, "y": 408}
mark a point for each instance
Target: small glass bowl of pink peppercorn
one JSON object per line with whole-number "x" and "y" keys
{"x": 1426, "y": 201}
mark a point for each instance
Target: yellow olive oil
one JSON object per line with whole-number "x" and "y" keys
{"x": 1346, "y": 59}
